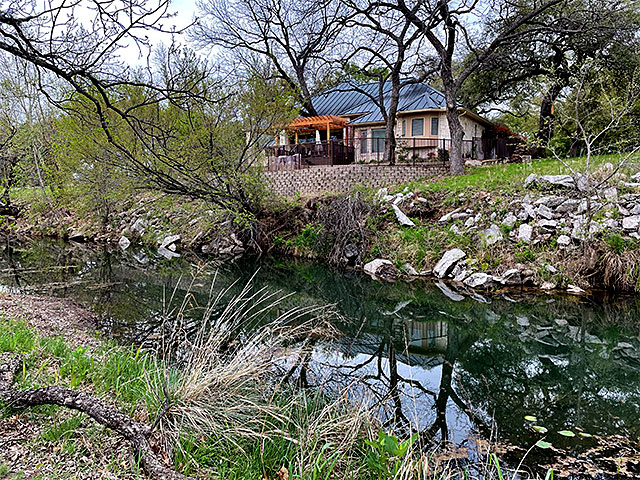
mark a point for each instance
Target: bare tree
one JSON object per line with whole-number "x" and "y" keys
{"x": 452, "y": 30}
{"x": 385, "y": 45}
{"x": 129, "y": 105}
{"x": 294, "y": 37}
{"x": 577, "y": 32}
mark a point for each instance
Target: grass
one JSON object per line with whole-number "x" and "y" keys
{"x": 505, "y": 178}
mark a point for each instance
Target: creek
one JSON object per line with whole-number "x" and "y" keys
{"x": 456, "y": 365}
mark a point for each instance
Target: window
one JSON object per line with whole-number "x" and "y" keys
{"x": 377, "y": 140}
{"x": 363, "y": 141}
{"x": 417, "y": 127}
{"x": 435, "y": 126}
{"x": 404, "y": 128}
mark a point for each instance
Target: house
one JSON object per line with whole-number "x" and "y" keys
{"x": 349, "y": 127}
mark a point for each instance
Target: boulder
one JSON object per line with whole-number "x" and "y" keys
{"x": 124, "y": 242}
{"x": 402, "y": 218}
{"x": 560, "y": 181}
{"x": 547, "y": 226}
{"x": 528, "y": 212}
{"x": 480, "y": 280}
{"x": 170, "y": 239}
{"x": 530, "y": 180}
{"x": 447, "y": 262}
{"x": 525, "y": 232}
{"x": 381, "y": 268}
{"x": 567, "y": 206}
{"x": 459, "y": 274}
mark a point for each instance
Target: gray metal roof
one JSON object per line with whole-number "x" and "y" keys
{"x": 345, "y": 100}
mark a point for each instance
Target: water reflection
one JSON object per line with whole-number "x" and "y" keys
{"x": 450, "y": 363}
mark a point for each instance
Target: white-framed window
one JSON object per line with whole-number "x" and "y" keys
{"x": 417, "y": 127}
{"x": 377, "y": 140}
{"x": 435, "y": 126}
{"x": 363, "y": 140}
{"x": 404, "y": 127}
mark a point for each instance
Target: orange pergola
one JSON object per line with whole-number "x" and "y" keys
{"x": 321, "y": 122}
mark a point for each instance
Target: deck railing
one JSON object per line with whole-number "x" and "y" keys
{"x": 370, "y": 150}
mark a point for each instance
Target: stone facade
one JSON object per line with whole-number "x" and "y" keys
{"x": 341, "y": 179}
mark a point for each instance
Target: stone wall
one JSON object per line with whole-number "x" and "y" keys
{"x": 342, "y": 179}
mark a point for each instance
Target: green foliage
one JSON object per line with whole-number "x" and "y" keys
{"x": 386, "y": 454}
{"x": 525, "y": 254}
{"x": 308, "y": 236}
{"x": 63, "y": 430}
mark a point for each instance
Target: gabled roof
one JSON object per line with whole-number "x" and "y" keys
{"x": 344, "y": 100}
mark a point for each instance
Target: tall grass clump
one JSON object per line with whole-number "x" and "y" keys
{"x": 226, "y": 403}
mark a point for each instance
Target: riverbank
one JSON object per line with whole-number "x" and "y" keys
{"x": 505, "y": 226}
{"x": 213, "y": 417}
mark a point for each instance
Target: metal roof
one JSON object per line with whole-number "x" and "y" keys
{"x": 345, "y": 100}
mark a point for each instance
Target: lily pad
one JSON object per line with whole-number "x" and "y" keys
{"x": 543, "y": 444}
{"x": 567, "y": 433}
{"x": 530, "y": 418}
{"x": 540, "y": 429}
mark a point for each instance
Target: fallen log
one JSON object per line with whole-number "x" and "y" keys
{"x": 135, "y": 432}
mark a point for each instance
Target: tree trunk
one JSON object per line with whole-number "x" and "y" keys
{"x": 545, "y": 122}
{"x": 135, "y": 432}
{"x": 390, "y": 132}
{"x": 456, "y": 162}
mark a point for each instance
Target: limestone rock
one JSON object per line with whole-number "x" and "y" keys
{"x": 170, "y": 239}
{"x": 409, "y": 270}
{"x": 544, "y": 212}
{"x": 480, "y": 280}
{"x": 168, "y": 254}
{"x": 124, "y": 242}
{"x": 509, "y": 220}
{"x": 525, "y": 232}
{"x": 139, "y": 226}
{"x": 402, "y": 218}
{"x": 447, "y": 217}
{"x": 563, "y": 240}
{"x": 381, "y": 268}
{"x": 447, "y": 262}
{"x": 611, "y": 194}
{"x": 512, "y": 277}
{"x": 631, "y": 224}
{"x": 492, "y": 235}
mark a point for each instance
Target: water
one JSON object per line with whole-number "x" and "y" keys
{"x": 457, "y": 365}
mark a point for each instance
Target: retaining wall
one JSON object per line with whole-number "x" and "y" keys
{"x": 341, "y": 179}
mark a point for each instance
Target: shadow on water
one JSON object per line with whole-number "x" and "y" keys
{"x": 455, "y": 365}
